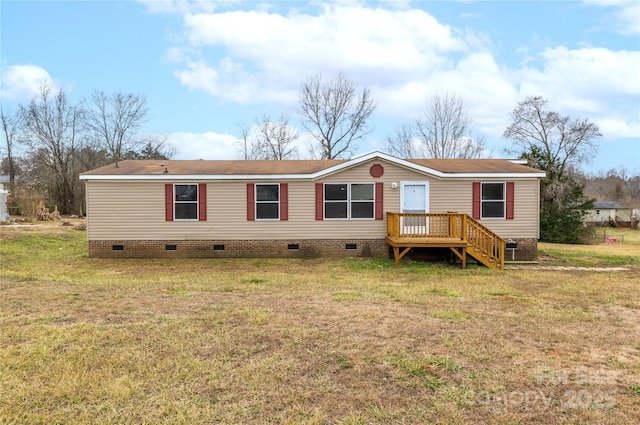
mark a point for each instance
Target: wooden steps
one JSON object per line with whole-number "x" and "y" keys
{"x": 459, "y": 232}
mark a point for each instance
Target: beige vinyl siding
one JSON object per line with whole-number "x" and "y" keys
{"x": 457, "y": 195}
{"x": 135, "y": 210}
{"x": 392, "y": 174}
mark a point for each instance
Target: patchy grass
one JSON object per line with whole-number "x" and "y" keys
{"x": 595, "y": 255}
{"x": 346, "y": 341}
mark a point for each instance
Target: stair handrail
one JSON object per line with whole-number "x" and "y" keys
{"x": 485, "y": 240}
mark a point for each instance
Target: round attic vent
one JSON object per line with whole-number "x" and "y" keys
{"x": 376, "y": 170}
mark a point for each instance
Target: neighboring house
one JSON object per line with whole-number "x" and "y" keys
{"x": 304, "y": 208}
{"x": 4, "y": 182}
{"x": 4, "y": 196}
{"x": 4, "y": 213}
{"x": 604, "y": 212}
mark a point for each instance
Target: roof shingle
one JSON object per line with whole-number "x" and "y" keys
{"x": 292, "y": 167}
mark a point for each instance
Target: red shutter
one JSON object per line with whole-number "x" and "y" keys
{"x": 476, "y": 200}
{"x": 319, "y": 201}
{"x": 510, "y": 194}
{"x": 202, "y": 202}
{"x": 168, "y": 202}
{"x": 284, "y": 201}
{"x": 251, "y": 209}
{"x": 379, "y": 201}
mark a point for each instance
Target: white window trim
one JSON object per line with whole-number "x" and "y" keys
{"x": 197, "y": 202}
{"x": 256, "y": 202}
{"x": 504, "y": 201}
{"x": 348, "y": 201}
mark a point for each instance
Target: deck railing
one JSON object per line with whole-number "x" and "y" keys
{"x": 486, "y": 241}
{"x": 426, "y": 225}
{"x": 449, "y": 225}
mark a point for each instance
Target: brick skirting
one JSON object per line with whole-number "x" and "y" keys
{"x": 527, "y": 250}
{"x": 240, "y": 249}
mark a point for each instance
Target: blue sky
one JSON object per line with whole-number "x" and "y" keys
{"x": 206, "y": 67}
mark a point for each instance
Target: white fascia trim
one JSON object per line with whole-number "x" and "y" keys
{"x": 420, "y": 168}
{"x": 495, "y": 175}
{"x": 279, "y": 177}
{"x": 174, "y": 177}
{"x": 331, "y": 170}
{"x": 381, "y": 155}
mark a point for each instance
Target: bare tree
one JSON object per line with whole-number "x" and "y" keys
{"x": 555, "y": 144}
{"x": 53, "y": 133}
{"x": 11, "y": 124}
{"x": 335, "y": 114}
{"x": 268, "y": 139}
{"x": 275, "y": 139}
{"x": 244, "y": 145}
{"x": 443, "y": 130}
{"x": 558, "y": 141}
{"x": 402, "y": 143}
{"x": 114, "y": 121}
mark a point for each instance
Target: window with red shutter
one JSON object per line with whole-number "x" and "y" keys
{"x": 493, "y": 200}
{"x": 185, "y": 202}
{"x": 379, "y": 201}
{"x": 267, "y": 201}
{"x": 251, "y": 212}
{"x": 319, "y": 201}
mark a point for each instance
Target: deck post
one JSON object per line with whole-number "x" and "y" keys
{"x": 464, "y": 257}
{"x": 398, "y": 255}
{"x": 452, "y": 224}
{"x": 463, "y": 233}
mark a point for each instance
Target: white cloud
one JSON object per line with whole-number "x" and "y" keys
{"x": 280, "y": 51}
{"x": 476, "y": 78}
{"x": 405, "y": 56}
{"x": 211, "y": 145}
{"x": 208, "y": 145}
{"x": 619, "y": 127}
{"x": 183, "y": 6}
{"x": 625, "y": 12}
{"x": 20, "y": 83}
{"x": 593, "y": 83}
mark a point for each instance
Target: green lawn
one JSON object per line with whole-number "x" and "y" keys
{"x": 325, "y": 341}
{"x": 625, "y": 251}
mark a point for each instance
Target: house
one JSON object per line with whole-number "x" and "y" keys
{"x": 4, "y": 213}
{"x": 604, "y": 212}
{"x": 4, "y": 196}
{"x": 309, "y": 208}
{"x": 5, "y": 182}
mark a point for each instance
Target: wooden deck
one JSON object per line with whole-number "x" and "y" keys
{"x": 459, "y": 232}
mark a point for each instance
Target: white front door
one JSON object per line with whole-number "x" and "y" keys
{"x": 415, "y": 199}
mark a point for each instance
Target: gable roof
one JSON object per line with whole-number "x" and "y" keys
{"x": 608, "y": 205}
{"x": 456, "y": 166}
{"x": 212, "y": 167}
{"x": 297, "y": 169}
